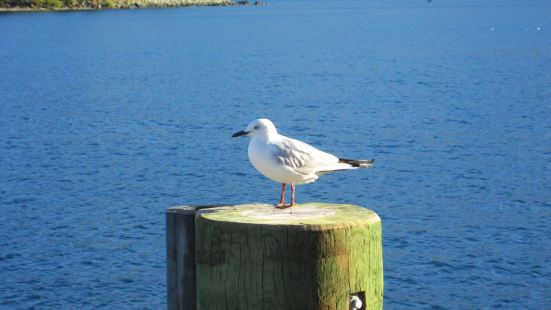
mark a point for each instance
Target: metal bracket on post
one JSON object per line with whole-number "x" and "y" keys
{"x": 357, "y": 301}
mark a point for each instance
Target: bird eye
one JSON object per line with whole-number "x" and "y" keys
{"x": 256, "y": 127}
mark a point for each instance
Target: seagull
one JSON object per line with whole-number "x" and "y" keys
{"x": 289, "y": 161}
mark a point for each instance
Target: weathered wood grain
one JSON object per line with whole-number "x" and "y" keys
{"x": 180, "y": 255}
{"x": 260, "y": 257}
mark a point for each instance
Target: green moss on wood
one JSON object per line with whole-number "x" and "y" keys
{"x": 251, "y": 257}
{"x": 311, "y": 215}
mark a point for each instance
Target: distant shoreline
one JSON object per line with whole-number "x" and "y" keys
{"x": 87, "y": 5}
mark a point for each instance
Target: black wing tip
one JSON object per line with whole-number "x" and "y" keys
{"x": 357, "y": 163}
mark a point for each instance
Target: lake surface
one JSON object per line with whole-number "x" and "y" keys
{"x": 108, "y": 118}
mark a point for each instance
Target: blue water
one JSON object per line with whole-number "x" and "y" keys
{"x": 107, "y": 118}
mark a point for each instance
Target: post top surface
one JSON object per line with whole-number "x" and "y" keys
{"x": 308, "y": 214}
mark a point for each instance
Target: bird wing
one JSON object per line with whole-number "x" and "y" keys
{"x": 304, "y": 158}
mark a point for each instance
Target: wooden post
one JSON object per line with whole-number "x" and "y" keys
{"x": 316, "y": 256}
{"x": 180, "y": 256}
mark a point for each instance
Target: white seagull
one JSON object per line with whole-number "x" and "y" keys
{"x": 285, "y": 160}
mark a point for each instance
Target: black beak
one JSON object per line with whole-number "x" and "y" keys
{"x": 239, "y": 133}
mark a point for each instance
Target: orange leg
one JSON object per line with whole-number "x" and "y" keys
{"x": 292, "y": 194}
{"x": 282, "y": 197}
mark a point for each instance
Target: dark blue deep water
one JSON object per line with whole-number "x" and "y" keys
{"x": 107, "y": 118}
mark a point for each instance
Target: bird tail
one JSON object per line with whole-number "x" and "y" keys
{"x": 360, "y": 163}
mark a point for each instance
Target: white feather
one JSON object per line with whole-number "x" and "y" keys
{"x": 287, "y": 160}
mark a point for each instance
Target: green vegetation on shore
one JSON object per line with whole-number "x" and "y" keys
{"x": 30, "y": 5}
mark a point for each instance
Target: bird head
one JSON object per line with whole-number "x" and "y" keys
{"x": 261, "y": 127}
